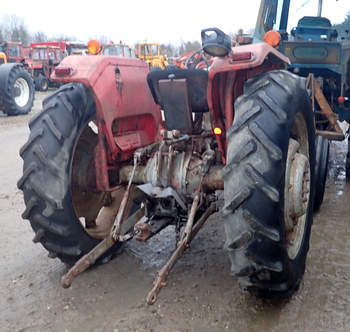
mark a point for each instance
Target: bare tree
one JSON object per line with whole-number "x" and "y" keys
{"x": 39, "y": 37}
{"x": 13, "y": 29}
{"x": 189, "y": 46}
{"x": 103, "y": 39}
{"x": 63, "y": 38}
{"x": 168, "y": 49}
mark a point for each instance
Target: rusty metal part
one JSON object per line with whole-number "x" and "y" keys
{"x": 211, "y": 182}
{"x": 107, "y": 215}
{"x": 162, "y": 276}
{"x": 178, "y": 163}
{"x": 331, "y": 135}
{"x": 159, "y": 192}
{"x": 146, "y": 230}
{"x": 188, "y": 232}
{"x": 189, "y": 225}
{"x": 90, "y": 258}
{"x": 124, "y": 204}
{"x": 87, "y": 200}
{"x": 86, "y": 261}
{"x": 317, "y": 94}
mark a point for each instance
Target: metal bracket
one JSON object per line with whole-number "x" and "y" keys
{"x": 159, "y": 192}
{"x": 325, "y": 109}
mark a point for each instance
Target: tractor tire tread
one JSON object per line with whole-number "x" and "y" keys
{"x": 254, "y": 235}
{"x": 8, "y": 102}
{"x": 45, "y": 179}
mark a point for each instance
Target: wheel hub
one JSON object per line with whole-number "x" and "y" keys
{"x": 297, "y": 196}
{"x": 16, "y": 91}
{"x": 299, "y": 186}
{"x": 21, "y": 92}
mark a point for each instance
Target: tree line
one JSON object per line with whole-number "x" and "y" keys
{"x": 13, "y": 28}
{"x": 344, "y": 27}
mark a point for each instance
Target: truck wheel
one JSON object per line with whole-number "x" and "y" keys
{"x": 17, "y": 91}
{"x": 268, "y": 181}
{"x": 59, "y": 181}
{"x": 43, "y": 83}
{"x": 321, "y": 170}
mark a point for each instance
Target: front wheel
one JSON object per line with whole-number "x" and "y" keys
{"x": 269, "y": 180}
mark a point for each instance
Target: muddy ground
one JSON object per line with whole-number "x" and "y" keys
{"x": 200, "y": 296}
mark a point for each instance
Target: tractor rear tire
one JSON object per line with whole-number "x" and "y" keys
{"x": 58, "y": 172}
{"x": 321, "y": 170}
{"x": 272, "y": 137}
{"x": 17, "y": 90}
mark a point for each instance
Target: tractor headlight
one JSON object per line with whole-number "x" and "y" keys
{"x": 215, "y": 42}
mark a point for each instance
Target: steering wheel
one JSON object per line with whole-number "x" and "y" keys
{"x": 195, "y": 59}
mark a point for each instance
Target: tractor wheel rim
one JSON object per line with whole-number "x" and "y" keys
{"x": 297, "y": 189}
{"x": 87, "y": 201}
{"x": 44, "y": 85}
{"x": 21, "y": 92}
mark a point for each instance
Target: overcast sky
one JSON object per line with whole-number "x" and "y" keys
{"x": 152, "y": 20}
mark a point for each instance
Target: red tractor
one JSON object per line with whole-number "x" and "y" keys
{"x": 120, "y": 152}
{"x": 44, "y": 58}
{"x": 15, "y": 52}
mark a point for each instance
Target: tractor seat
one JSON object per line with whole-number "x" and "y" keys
{"x": 195, "y": 81}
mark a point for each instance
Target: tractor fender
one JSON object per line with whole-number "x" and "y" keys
{"x": 5, "y": 70}
{"x": 247, "y": 60}
{"x": 124, "y": 104}
{"x": 259, "y": 53}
